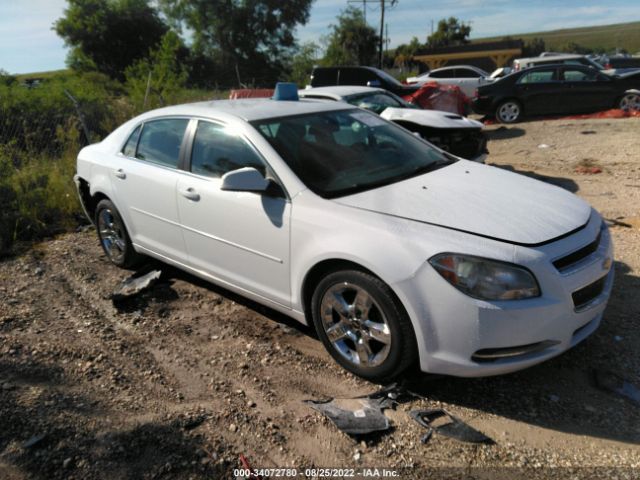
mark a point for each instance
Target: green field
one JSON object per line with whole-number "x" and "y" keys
{"x": 609, "y": 37}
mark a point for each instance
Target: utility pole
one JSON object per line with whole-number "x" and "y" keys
{"x": 364, "y": 7}
{"x": 386, "y": 38}
{"x": 382, "y": 6}
{"x": 381, "y": 33}
{"x": 382, "y": 9}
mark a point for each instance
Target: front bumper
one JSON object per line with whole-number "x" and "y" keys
{"x": 83, "y": 195}
{"x": 483, "y": 105}
{"x": 462, "y": 336}
{"x": 467, "y": 143}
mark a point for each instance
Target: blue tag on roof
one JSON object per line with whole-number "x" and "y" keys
{"x": 286, "y": 91}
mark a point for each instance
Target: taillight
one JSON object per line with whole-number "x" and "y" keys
{"x": 608, "y": 66}
{"x": 475, "y": 94}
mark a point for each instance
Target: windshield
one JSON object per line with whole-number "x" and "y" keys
{"x": 378, "y": 101}
{"x": 387, "y": 77}
{"x": 348, "y": 151}
{"x": 594, "y": 64}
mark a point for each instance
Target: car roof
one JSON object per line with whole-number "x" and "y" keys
{"x": 339, "y": 92}
{"x": 549, "y": 58}
{"x": 556, "y": 65}
{"x": 356, "y": 67}
{"x": 451, "y": 67}
{"x": 249, "y": 109}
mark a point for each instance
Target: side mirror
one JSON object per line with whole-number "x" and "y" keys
{"x": 373, "y": 83}
{"x": 246, "y": 179}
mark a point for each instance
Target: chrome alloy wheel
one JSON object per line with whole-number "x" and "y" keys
{"x": 355, "y": 325}
{"x": 509, "y": 112}
{"x": 111, "y": 235}
{"x": 631, "y": 101}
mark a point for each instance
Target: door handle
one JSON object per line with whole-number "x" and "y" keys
{"x": 120, "y": 173}
{"x": 190, "y": 194}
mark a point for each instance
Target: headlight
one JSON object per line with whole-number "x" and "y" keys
{"x": 486, "y": 279}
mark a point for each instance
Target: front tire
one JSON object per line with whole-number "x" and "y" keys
{"x": 509, "y": 111}
{"x": 363, "y": 325}
{"x": 113, "y": 236}
{"x": 630, "y": 101}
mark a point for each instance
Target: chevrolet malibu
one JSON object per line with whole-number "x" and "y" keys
{"x": 396, "y": 251}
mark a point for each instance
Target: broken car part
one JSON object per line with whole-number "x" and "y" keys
{"x": 455, "y": 428}
{"x": 134, "y": 285}
{"x": 357, "y": 416}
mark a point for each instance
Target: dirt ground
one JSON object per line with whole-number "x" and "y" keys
{"x": 181, "y": 381}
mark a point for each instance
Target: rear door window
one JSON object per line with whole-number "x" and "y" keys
{"x": 466, "y": 73}
{"x": 540, "y": 76}
{"x": 160, "y": 141}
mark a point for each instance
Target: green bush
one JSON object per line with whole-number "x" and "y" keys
{"x": 37, "y": 191}
{"x": 41, "y": 133}
{"x": 29, "y": 116}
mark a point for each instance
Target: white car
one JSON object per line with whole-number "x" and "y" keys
{"x": 395, "y": 251}
{"x": 458, "y": 135}
{"x": 569, "y": 59}
{"x": 467, "y": 77}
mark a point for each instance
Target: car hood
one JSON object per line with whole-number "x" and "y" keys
{"x": 429, "y": 118}
{"x": 481, "y": 200}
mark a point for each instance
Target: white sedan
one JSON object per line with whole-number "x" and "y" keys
{"x": 467, "y": 77}
{"x": 397, "y": 252}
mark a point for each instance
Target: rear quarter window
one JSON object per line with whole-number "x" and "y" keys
{"x": 442, "y": 74}
{"x": 324, "y": 76}
{"x": 130, "y": 147}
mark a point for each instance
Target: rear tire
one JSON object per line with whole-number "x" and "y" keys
{"x": 363, "y": 325}
{"x": 113, "y": 236}
{"x": 509, "y": 111}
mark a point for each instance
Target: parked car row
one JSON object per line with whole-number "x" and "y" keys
{"x": 557, "y": 89}
{"x": 397, "y": 252}
{"x": 550, "y": 84}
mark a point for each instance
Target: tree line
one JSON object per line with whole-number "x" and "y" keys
{"x": 230, "y": 42}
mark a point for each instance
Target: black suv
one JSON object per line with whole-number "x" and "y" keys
{"x": 364, "y": 76}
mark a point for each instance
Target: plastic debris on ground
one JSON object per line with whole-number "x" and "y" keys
{"x": 588, "y": 170}
{"x": 354, "y": 416}
{"x": 434, "y": 96}
{"x": 361, "y": 415}
{"x": 613, "y": 383}
{"x": 134, "y": 285}
{"x": 453, "y": 428}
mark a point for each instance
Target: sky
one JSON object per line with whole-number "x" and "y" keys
{"x": 28, "y": 44}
